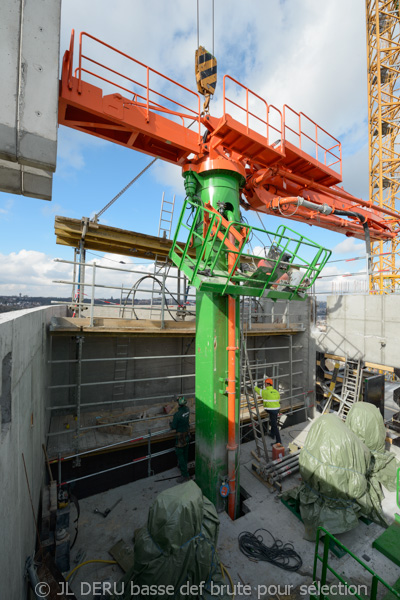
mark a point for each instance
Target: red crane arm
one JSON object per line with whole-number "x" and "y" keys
{"x": 292, "y": 165}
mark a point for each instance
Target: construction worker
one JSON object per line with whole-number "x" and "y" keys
{"x": 180, "y": 423}
{"x": 271, "y": 399}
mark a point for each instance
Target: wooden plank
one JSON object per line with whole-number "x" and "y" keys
{"x": 123, "y": 554}
{"x": 104, "y": 238}
{"x": 145, "y": 327}
{"x": 367, "y": 364}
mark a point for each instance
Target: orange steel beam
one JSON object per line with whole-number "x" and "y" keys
{"x": 137, "y": 120}
{"x": 284, "y": 153}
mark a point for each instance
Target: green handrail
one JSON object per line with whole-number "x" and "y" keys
{"x": 323, "y": 595}
{"x": 209, "y": 270}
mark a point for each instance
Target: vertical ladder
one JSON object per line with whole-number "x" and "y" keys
{"x": 332, "y": 386}
{"x": 120, "y": 369}
{"x": 125, "y": 303}
{"x": 351, "y": 386}
{"x": 252, "y": 404}
{"x": 164, "y": 231}
{"x": 166, "y": 216}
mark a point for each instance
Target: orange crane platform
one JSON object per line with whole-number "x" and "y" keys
{"x": 292, "y": 166}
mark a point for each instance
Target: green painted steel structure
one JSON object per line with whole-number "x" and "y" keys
{"x": 323, "y": 590}
{"x": 220, "y": 189}
{"x": 212, "y": 223}
{"x": 211, "y": 396}
{"x": 292, "y": 262}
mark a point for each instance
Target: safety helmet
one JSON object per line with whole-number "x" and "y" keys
{"x": 182, "y": 401}
{"x": 269, "y": 381}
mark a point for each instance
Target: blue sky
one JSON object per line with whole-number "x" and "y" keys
{"x": 306, "y": 53}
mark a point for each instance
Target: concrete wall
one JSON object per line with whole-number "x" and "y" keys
{"x": 300, "y": 374}
{"x": 157, "y": 371}
{"x": 24, "y": 352}
{"x": 29, "y": 47}
{"x": 366, "y": 327}
{"x": 264, "y": 350}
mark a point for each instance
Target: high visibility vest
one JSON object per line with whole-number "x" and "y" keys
{"x": 270, "y": 397}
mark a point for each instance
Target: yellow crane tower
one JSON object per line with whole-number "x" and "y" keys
{"x": 383, "y": 48}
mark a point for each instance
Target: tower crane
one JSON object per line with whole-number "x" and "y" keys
{"x": 383, "y": 55}
{"x": 274, "y": 161}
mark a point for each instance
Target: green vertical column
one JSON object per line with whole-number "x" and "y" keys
{"x": 221, "y": 188}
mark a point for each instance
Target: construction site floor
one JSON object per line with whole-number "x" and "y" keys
{"x": 97, "y": 534}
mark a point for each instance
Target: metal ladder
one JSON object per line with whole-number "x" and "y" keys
{"x": 351, "y": 386}
{"x": 164, "y": 231}
{"x": 125, "y": 303}
{"x": 252, "y": 404}
{"x": 120, "y": 370}
{"x": 166, "y": 216}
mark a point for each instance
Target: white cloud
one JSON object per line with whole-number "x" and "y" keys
{"x": 171, "y": 176}
{"x": 303, "y": 56}
{"x": 349, "y": 246}
{"x": 34, "y": 273}
{"x": 71, "y": 149}
{"x": 31, "y": 272}
{"x": 335, "y": 279}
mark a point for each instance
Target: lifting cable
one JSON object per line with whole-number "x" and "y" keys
{"x": 208, "y": 96}
{"x": 212, "y": 25}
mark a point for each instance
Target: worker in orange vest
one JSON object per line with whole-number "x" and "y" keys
{"x": 271, "y": 398}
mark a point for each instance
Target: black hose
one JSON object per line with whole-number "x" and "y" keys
{"x": 363, "y": 220}
{"x": 279, "y": 554}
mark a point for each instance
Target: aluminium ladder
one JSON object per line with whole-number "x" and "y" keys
{"x": 252, "y": 404}
{"x": 120, "y": 369}
{"x": 160, "y": 268}
{"x": 166, "y": 217}
{"x": 351, "y": 387}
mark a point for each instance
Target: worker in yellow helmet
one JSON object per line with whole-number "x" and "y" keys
{"x": 271, "y": 404}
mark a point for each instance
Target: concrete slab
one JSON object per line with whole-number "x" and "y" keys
{"x": 97, "y": 535}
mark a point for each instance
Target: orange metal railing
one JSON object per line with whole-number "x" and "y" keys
{"x": 265, "y": 121}
{"x": 147, "y": 97}
{"x": 331, "y": 157}
{"x": 309, "y": 137}
{"x": 70, "y": 58}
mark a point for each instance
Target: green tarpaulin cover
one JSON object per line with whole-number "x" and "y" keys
{"x": 338, "y": 480}
{"x": 177, "y": 548}
{"x": 366, "y": 421}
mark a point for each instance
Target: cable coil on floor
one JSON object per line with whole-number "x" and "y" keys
{"x": 279, "y": 554}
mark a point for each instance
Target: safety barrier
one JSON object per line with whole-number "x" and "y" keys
{"x": 221, "y": 259}
{"x": 331, "y": 157}
{"x": 264, "y": 121}
{"x": 146, "y": 97}
{"x": 323, "y": 587}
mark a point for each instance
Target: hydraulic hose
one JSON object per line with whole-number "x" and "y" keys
{"x": 108, "y": 562}
{"x": 363, "y": 220}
